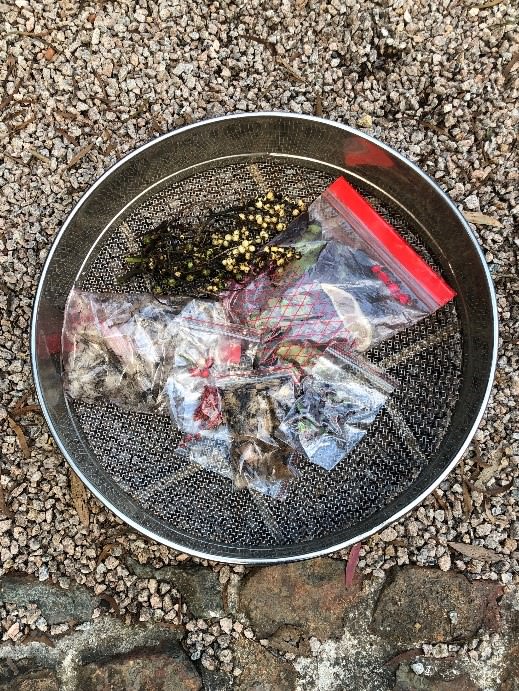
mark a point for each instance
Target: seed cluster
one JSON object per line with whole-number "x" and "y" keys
{"x": 228, "y": 246}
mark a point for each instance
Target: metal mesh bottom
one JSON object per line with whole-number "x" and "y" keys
{"x": 138, "y": 451}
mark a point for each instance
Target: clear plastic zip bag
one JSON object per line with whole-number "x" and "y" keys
{"x": 356, "y": 281}
{"x": 206, "y": 344}
{"x": 117, "y": 348}
{"x": 253, "y": 405}
{"x": 341, "y": 394}
{"x": 243, "y": 445}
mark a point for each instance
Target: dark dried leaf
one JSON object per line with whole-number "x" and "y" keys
{"x": 4, "y": 508}
{"x": 111, "y": 147}
{"x": 403, "y": 657}
{"x": 111, "y": 602}
{"x": 105, "y": 552}
{"x": 467, "y": 499}
{"x": 65, "y": 114}
{"x": 20, "y": 435}
{"x": 102, "y": 85}
{"x": 79, "y": 498}
{"x": 440, "y": 501}
{"x": 70, "y": 139}
{"x": 496, "y": 490}
{"x": 262, "y": 41}
{"x": 434, "y": 128}
{"x": 14, "y": 410}
{"x": 475, "y": 552}
{"x": 38, "y": 637}
{"x": 488, "y": 5}
{"x": 22, "y": 125}
{"x": 31, "y": 408}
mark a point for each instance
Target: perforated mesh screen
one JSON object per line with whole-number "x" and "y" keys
{"x": 138, "y": 451}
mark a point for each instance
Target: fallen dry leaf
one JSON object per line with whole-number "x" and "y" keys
{"x": 351, "y": 564}
{"x": 4, "y": 508}
{"x": 38, "y": 637}
{"x": 105, "y": 551}
{"x": 80, "y": 498}
{"x": 488, "y": 5}
{"x": 482, "y": 219}
{"x": 467, "y": 499}
{"x": 111, "y": 602}
{"x": 49, "y": 53}
{"x": 91, "y": 17}
{"x": 488, "y": 473}
{"x": 475, "y": 551}
{"x": 20, "y": 403}
{"x": 496, "y": 490}
{"x": 403, "y": 657}
{"x": 509, "y": 67}
{"x": 20, "y": 435}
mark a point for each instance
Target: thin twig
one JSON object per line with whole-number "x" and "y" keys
{"x": 70, "y": 139}
{"x": 39, "y": 156}
{"x": 7, "y": 99}
{"x": 262, "y": 41}
{"x": 12, "y": 158}
{"x": 10, "y": 64}
{"x": 29, "y": 34}
{"x": 80, "y": 154}
{"x": 22, "y": 125}
{"x": 291, "y": 71}
{"x": 38, "y": 36}
{"x": 467, "y": 499}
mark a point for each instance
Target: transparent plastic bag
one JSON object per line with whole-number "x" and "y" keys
{"x": 253, "y": 404}
{"x": 206, "y": 345}
{"x": 117, "y": 348}
{"x": 356, "y": 281}
{"x": 341, "y": 396}
{"x": 206, "y": 338}
{"x": 243, "y": 445}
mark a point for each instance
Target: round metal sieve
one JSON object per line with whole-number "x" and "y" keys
{"x": 444, "y": 364}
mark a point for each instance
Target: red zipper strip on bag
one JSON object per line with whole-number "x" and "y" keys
{"x": 393, "y": 243}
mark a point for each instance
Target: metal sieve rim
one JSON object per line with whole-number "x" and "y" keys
{"x": 402, "y": 510}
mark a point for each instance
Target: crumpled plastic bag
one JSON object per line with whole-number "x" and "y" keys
{"x": 118, "y": 348}
{"x": 340, "y": 398}
{"x": 356, "y": 281}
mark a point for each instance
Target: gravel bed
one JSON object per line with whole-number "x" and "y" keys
{"x": 84, "y": 83}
